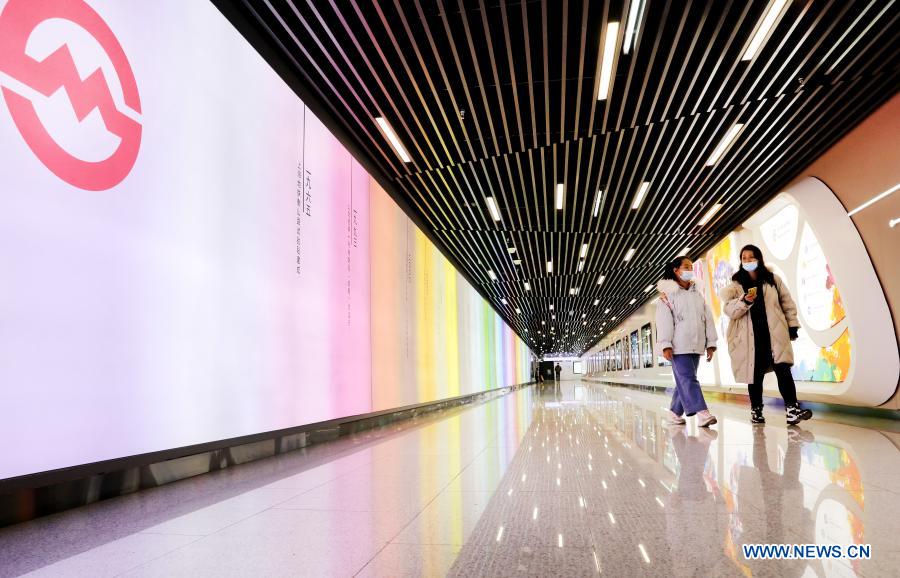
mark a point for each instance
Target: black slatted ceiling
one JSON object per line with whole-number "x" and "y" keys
{"x": 499, "y": 98}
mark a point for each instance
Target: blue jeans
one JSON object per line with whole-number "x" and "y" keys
{"x": 688, "y": 397}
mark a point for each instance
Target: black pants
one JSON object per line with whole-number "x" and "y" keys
{"x": 786, "y": 385}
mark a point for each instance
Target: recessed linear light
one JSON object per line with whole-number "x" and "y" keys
{"x": 597, "y": 202}
{"x": 517, "y": 261}
{"x": 549, "y": 266}
{"x": 519, "y": 311}
{"x": 632, "y": 302}
{"x": 639, "y": 196}
{"x": 609, "y": 51}
{"x": 686, "y": 251}
{"x": 503, "y": 301}
{"x": 492, "y": 207}
{"x": 709, "y": 214}
{"x": 560, "y": 195}
{"x": 511, "y": 250}
{"x": 607, "y": 312}
{"x": 492, "y": 275}
{"x": 724, "y": 144}
{"x": 551, "y": 307}
{"x": 584, "y": 249}
{"x": 601, "y": 279}
{"x": 580, "y": 265}
{"x": 763, "y": 29}
{"x": 874, "y": 200}
{"x": 648, "y": 289}
{"x": 634, "y": 23}
{"x": 629, "y": 255}
{"x": 527, "y": 286}
{"x": 392, "y": 137}
{"x": 596, "y": 302}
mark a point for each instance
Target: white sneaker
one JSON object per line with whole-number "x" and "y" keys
{"x": 675, "y": 419}
{"x": 705, "y": 419}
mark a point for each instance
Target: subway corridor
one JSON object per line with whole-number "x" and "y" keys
{"x": 587, "y": 480}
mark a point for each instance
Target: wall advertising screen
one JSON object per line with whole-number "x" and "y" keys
{"x": 646, "y": 346}
{"x": 190, "y": 248}
{"x": 635, "y": 350}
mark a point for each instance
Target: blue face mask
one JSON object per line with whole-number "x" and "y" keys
{"x": 686, "y": 275}
{"x": 750, "y": 265}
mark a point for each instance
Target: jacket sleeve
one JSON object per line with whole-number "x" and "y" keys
{"x": 733, "y": 298}
{"x": 665, "y": 326}
{"x": 712, "y": 337}
{"x": 787, "y": 303}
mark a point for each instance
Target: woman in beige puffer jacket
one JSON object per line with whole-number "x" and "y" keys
{"x": 763, "y": 324}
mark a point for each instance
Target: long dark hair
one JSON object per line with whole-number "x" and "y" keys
{"x": 762, "y": 272}
{"x": 675, "y": 263}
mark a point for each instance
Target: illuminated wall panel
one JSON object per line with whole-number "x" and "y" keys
{"x": 189, "y": 255}
{"x": 434, "y": 336}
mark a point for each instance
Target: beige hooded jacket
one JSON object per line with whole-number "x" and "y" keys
{"x": 781, "y": 313}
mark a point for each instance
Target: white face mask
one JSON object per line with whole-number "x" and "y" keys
{"x": 750, "y": 265}
{"x": 686, "y": 275}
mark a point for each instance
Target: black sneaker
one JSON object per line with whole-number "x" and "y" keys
{"x": 795, "y": 414}
{"x": 756, "y": 415}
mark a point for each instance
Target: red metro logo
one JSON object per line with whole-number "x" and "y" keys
{"x": 58, "y": 70}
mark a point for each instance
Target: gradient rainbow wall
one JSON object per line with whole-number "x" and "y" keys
{"x": 433, "y": 335}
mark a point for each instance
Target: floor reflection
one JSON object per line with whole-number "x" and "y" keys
{"x": 576, "y": 480}
{"x": 632, "y": 494}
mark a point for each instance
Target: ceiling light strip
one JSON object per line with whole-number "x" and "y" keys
{"x": 874, "y": 200}
{"x": 609, "y": 50}
{"x": 724, "y": 144}
{"x": 763, "y": 29}
{"x": 709, "y": 214}
{"x": 492, "y": 207}
{"x": 639, "y": 196}
{"x": 392, "y": 138}
{"x": 635, "y": 12}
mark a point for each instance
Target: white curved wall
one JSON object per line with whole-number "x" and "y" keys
{"x": 848, "y": 348}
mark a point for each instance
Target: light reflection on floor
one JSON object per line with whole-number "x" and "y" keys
{"x": 584, "y": 481}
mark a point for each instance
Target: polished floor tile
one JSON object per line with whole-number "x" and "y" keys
{"x": 116, "y": 557}
{"x": 411, "y": 561}
{"x": 586, "y": 481}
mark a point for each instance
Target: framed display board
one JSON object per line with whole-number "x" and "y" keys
{"x": 635, "y": 350}
{"x": 646, "y": 346}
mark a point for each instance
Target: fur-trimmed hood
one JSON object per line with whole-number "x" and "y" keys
{"x": 669, "y": 287}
